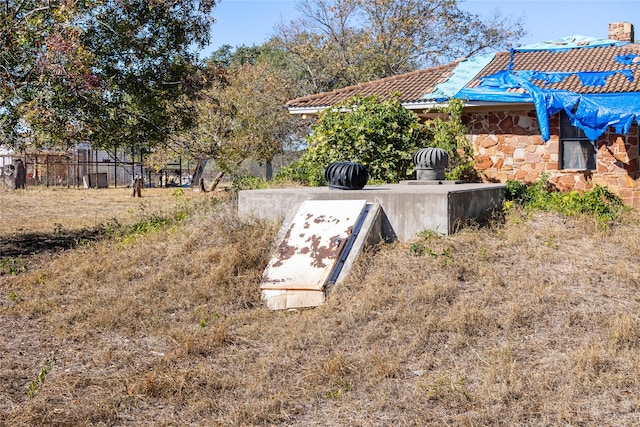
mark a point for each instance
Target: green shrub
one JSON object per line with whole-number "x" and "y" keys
{"x": 599, "y": 202}
{"x": 247, "y": 182}
{"x": 517, "y": 192}
{"x": 383, "y": 136}
{"x": 380, "y": 134}
{"x": 301, "y": 172}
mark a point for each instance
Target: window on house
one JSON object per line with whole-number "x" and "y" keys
{"x": 576, "y": 150}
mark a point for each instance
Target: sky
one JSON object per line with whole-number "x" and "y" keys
{"x": 251, "y": 22}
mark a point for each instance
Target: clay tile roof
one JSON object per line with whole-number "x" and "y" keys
{"x": 577, "y": 60}
{"x": 414, "y": 85}
{"x": 411, "y": 87}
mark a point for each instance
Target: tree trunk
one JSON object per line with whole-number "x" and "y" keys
{"x": 21, "y": 174}
{"x": 136, "y": 186}
{"x": 216, "y": 181}
{"x": 269, "y": 171}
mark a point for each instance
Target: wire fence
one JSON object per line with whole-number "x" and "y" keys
{"x": 84, "y": 167}
{"x": 95, "y": 169}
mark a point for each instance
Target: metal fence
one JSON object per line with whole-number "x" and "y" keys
{"x": 95, "y": 169}
{"x": 84, "y": 167}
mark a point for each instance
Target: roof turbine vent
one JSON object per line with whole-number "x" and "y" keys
{"x": 346, "y": 175}
{"x": 430, "y": 163}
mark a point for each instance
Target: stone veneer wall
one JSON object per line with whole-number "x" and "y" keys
{"x": 508, "y": 145}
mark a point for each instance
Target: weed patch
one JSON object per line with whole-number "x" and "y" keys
{"x": 12, "y": 265}
{"x": 598, "y": 202}
{"x": 37, "y": 383}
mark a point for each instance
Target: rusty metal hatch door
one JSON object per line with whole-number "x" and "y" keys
{"x": 309, "y": 250}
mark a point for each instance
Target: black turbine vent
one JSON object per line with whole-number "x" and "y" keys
{"x": 346, "y": 175}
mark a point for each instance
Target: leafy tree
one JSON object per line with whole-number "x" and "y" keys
{"x": 104, "y": 71}
{"x": 226, "y": 56}
{"x": 381, "y": 134}
{"x": 343, "y": 42}
{"x": 242, "y": 115}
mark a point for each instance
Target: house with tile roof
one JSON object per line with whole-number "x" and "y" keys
{"x": 568, "y": 108}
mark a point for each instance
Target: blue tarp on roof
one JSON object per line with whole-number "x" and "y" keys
{"x": 571, "y": 42}
{"x": 629, "y": 59}
{"x": 593, "y": 113}
{"x": 464, "y": 72}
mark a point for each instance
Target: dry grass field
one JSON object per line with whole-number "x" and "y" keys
{"x": 534, "y": 321}
{"x": 41, "y": 219}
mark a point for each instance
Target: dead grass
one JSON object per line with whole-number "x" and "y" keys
{"x": 38, "y": 220}
{"x": 531, "y": 323}
{"x": 39, "y": 210}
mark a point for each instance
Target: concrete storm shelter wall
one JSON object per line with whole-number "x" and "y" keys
{"x": 508, "y": 145}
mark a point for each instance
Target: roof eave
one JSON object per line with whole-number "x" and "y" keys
{"x": 306, "y": 110}
{"x": 418, "y": 105}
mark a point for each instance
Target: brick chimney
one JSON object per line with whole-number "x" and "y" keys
{"x": 621, "y": 31}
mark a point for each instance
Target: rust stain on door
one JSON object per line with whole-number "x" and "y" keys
{"x": 311, "y": 246}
